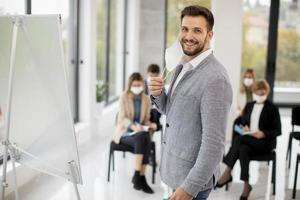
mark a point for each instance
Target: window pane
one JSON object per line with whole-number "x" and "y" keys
{"x": 287, "y": 81}
{"x": 101, "y": 49}
{"x": 255, "y": 35}
{"x": 12, "y": 7}
{"x": 112, "y": 50}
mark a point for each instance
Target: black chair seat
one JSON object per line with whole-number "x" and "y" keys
{"x": 121, "y": 147}
{"x": 264, "y": 157}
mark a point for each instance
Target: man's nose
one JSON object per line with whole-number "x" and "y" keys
{"x": 189, "y": 35}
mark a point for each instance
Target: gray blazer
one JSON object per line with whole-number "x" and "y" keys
{"x": 196, "y": 118}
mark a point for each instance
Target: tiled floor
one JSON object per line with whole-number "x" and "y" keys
{"x": 94, "y": 158}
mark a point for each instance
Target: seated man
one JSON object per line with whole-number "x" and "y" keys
{"x": 153, "y": 71}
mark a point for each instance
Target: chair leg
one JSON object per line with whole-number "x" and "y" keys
{"x": 274, "y": 175}
{"x": 154, "y": 163}
{"x": 290, "y": 149}
{"x": 124, "y": 155}
{"x": 295, "y": 179}
{"x": 109, "y": 161}
{"x": 113, "y": 160}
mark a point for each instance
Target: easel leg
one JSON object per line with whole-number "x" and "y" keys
{"x": 13, "y": 160}
{"x": 16, "y": 24}
{"x": 3, "y": 181}
{"x": 73, "y": 174}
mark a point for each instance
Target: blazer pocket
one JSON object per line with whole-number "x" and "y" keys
{"x": 186, "y": 154}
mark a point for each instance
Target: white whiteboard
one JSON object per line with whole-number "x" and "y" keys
{"x": 41, "y": 126}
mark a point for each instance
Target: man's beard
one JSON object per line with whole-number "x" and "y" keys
{"x": 198, "y": 50}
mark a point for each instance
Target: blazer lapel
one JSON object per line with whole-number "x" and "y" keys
{"x": 177, "y": 72}
{"x": 129, "y": 106}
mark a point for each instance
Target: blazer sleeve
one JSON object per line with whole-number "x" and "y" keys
{"x": 214, "y": 108}
{"x": 275, "y": 124}
{"x": 148, "y": 111}
{"x": 160, "y": 101}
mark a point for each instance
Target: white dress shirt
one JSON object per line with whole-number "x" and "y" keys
{"x": 255, "y": 115}
{"x": 190, "y": 66}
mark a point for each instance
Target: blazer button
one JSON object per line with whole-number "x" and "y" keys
{"x": 167, "y": 125}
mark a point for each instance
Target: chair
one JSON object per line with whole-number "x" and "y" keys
{"x": 296, "y": 174}
{"x": 266, "y": 157}
{"x": 126, "y": 148}
{"x": 294, "y": 134}
{"x": 269, "y": 157}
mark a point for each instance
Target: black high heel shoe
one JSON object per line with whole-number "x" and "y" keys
{"x": 246, "y": 197}
{"x": 220, "y": 185}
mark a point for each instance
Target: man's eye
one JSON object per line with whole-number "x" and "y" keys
{"x": 184, "y": 29}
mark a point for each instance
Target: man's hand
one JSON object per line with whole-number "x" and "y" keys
{"x": 258, "y": 134}
{"x": 155, "y": 85}
{"x": 180, "y": 194}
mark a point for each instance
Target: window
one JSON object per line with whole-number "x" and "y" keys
{"x": 110, "y": 35}
{"x": 12, "y": 7}
{"x": 255, "y": 35}
{"x": 101, "y": 49}
{"x": 287, "y": 79}
{"x": 112, "y": 50}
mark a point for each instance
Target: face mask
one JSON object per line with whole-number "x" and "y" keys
{"x": 136, "y": 90}
{"x": 248, "y": 81}
{"x": 173, "y": 55}
{"x": 259, "y": 99}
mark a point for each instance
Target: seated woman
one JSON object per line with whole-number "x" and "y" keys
{"x": 260, "y": 125}
{"x": 134, "y": 127}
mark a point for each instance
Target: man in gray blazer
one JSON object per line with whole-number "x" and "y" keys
{"x": 196, "y": 107}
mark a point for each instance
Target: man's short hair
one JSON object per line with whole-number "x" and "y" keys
{"x": 196, "y": 11}
{"x": 153, "y": 68}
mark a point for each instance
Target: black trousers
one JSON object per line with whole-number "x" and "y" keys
{"x": 141, "y": 143}
{"x": 243, "y": 147}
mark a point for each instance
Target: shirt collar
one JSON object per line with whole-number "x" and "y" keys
{"x": 197, "y": 60}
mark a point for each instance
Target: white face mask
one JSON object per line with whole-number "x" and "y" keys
{"x": 136, "y": 90}
{"x": 173, "y": 55}
{"x": 248, "y": 81}
{"x": 259, "y": 99}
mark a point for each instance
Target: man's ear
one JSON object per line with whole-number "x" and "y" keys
{"x": 210, "y": 34}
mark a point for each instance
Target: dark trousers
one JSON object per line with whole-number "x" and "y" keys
{"x": 243, "y": 148}
{"x": 141, "y": 143}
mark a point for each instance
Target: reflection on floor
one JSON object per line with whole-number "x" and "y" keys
{"x": 94, "y": 165}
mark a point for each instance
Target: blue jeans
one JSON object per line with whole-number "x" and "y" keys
{"x": 203, "y": 195}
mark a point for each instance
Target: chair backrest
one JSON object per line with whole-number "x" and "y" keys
{"x": 296, "y": 116}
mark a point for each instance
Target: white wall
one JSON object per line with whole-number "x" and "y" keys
{"x": 227, "y": 44}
